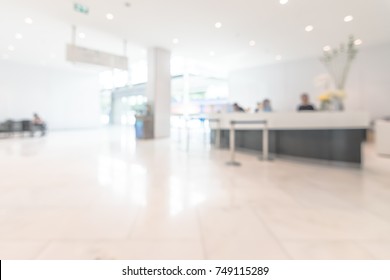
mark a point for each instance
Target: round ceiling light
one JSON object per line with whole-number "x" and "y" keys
{"x": 348, "y": 18}
{"x": 28, "y": 20}
{"x": 218, "y": 25}
{"x": 309, "y": 28}
{"x": 283, "y": 2}
{"x": 109, "y": 16}
{"x": 252, "y": 43}
{"x": 326, "y": 48}
{"x": 358, "y": 42}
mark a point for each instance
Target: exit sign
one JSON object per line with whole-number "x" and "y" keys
{"x": 80, "y": 8}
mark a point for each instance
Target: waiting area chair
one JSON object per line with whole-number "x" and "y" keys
{"x": 10, "y": 128}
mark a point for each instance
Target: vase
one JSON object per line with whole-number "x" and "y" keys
{"x": 336, "y": 104}
{"x": 325, "y": 106}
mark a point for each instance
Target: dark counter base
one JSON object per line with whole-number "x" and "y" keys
{"x": 332, "y": 145}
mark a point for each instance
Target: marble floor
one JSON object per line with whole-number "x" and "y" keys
{"x": 100, "y": 194}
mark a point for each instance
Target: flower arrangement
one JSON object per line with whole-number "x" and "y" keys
{"x": 332, "y": 100}
{"x": 326, "y": 96}
{"x": 338, "y": 63}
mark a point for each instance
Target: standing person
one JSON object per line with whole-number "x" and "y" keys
{"x": 305, "y": 105}
{"x": 267, "y": 105}
{"x": 37, "y": 122}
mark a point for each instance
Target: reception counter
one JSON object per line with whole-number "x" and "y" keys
{"x": 333, "y": 136}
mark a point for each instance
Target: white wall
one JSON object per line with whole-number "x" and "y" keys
{"x": 65, "y": 98}
{"x": 368, "y": 87}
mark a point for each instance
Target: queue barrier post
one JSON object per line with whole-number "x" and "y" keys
{"x": 187, "y": 134}
{"x": 218, "y": 135}
{"x": 265, "y": 143}
{"x": 232, "y": 134}
{"x": 217, "y": 132}
{"x": 232, "y": 142}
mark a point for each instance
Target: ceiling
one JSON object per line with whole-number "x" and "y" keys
{"x": 276, "y": 29}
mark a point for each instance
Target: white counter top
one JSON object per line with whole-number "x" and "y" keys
{"x": 296, "y": 120}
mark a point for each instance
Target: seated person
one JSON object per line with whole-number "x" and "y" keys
{"x": 238, "y": 108}
{"x": 38, "y": 123}
{"x": 305, "y": 105}
{"x": 267, "y": 105}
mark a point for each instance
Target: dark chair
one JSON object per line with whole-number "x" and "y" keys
{"x": 11, "y": 127}
{"x": 17, "y": 126}
{"x": 6, "y": 128}
{"x": 3, "y": 128}
{"x": 27, "y": 126}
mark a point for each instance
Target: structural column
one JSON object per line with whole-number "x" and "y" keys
{"x": 158, "y": 90}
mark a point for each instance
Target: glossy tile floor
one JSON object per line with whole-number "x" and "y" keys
{"x": 102, "y": 195}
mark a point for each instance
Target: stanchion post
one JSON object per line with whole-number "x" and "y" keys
{"x": 265, "y": 142}
{"x": 203, "y": 121}
{"x": 218, "y": 135}
{"x": 179, "y": 129}
{"x": 188, "y": 135}
{"x": 217, "y": 129}
{"x": 232, "y": 140}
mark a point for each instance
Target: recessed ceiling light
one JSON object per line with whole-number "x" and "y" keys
{"x": 358, "y": 42}
{"x": 218, "y": 25}
{"x": 326, "y": 48}
{"x": 309, "y": 28}
{"x": 175, "y": 41}
{"x": 283, "y": 2}
{"x": 348, "y": 18}
{"x": 109, "y": 16}
{"x": 82, "y": 35}
{"x": 252, "y": 43}
{"x": 11, "y": 48}
{"x": 18, "y": 36}
{"x": 28, "y": 20}
{"x": 212, "y": 53}
{"x": 278, "y": 57}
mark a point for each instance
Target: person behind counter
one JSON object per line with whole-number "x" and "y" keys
{"x": 267, "y": 105}
{"x": 305, "y": 105}
{"x": 263, "y": 107}
{"x": 238, "y": 108}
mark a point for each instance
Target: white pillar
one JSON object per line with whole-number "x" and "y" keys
{"x": 158, "y": 90}
{"x": 186, "y": 97}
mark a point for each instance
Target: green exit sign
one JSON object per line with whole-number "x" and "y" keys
{"x": 80, "y": 8}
